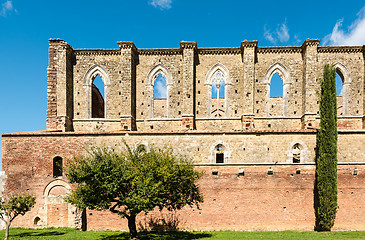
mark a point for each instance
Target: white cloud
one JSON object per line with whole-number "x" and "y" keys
{"x": 355, "y": 35}
{"x": 269, "y": 36}
{"x": 6, "y": 7}
{"x": 283, "y": 33}
{"x": 280, "y": 34}
{"x": 160, "y": 89}
{"x": 297, "y": 39}
{"x": 162, "y": 4}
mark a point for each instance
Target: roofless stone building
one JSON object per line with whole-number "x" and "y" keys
{"x": 215, "y": 105}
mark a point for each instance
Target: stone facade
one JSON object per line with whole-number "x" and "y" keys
{"x": 128, "y": 74}
{"x": 257, "y": 151}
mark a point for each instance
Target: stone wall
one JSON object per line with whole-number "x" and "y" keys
{"x": 254, "y": 201}
{"x": 129, "y": 74}
{"x": 257, "y": 132}
{"x": 160, "y": 108}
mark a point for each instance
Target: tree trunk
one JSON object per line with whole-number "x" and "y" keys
{"x": 7, "y": 230}
{"x": 132, "y": 227}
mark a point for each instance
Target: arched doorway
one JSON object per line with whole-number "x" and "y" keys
{"x": 60, "y": 213}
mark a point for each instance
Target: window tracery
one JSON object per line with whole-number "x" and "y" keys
{"x": 218, "y": 80}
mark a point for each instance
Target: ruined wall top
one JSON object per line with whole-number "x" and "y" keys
{"x": 215, "y": 50}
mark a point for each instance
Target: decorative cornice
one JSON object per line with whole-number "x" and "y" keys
{"x": 311, "y": 42}
{"x": 279, "y": 50}
{"x": 249, "y": 43}
{"x": 212, "y": 51}
{"x": 218, "y": 51}
{"x": 188, "y": 45}
{"x": 342, "y": 49}
{"x": 97, "y": 51}
{"x": 58, "y": 42}
{"x": 177, "y": 132}
{"x": 127, "y": 45}
{"x": 161, "y": 51}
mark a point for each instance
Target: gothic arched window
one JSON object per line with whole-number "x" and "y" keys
{"x": 97, "y": 98}
{"x": 218, "y": 94}
{"x": 158, "y": 83}
{"x": 218, "y": 81}
{"x": 277, "y": 81}
{"x": 96, "y": 82}
{"x": 343, "y": 82}
{"x": 160, "y": 96}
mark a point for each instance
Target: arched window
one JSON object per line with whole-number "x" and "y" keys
{"x": 297, "y": 148}
{"x": 218, "y": 87}
{"x": 276, "y": 100}
{"x": 160, "y": 96}
{"x": 97, "y": 98}
{"x": 36, "y": 220}
{"x": 343, "y": 81}
{"x": 339, "y": 91}
{"x": 339, "y": 83}
{"x": 96, "y": 82}
{"x": 277, "y": 81}
{"x": 219, "y": 153}
{"x": 57, "y": 167}
{"x": 298, "y": 152}
{"x": 218, "y": 81}
{"x": 158, "y": 83}
{"x": 141, "y": 148}
{"x": 276, "y": 86}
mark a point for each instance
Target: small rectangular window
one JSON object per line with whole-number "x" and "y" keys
{"x": 219, "y": 157}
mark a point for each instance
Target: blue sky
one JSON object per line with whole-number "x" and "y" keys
{"x": 26, "y": 26}
{"x": 160, "y": 88}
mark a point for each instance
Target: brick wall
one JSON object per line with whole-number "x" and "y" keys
{"x": 255, "y": 201}
{"x": 252, "y": 138}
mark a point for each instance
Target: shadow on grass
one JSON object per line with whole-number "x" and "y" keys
{"x": 161, "y": 235}
{"x": 36, "y": 233}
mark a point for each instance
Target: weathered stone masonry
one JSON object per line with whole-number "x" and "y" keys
{"x": 257, "y": 152}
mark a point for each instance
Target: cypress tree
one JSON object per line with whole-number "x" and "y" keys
{"x": 326, "y": 164}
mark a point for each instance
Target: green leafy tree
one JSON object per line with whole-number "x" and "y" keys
{"x": 326, "y": 169}
{"x": 16, "y": 205}
{"x": 133, "y": 181}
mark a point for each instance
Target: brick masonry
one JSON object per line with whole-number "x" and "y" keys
{"x": 257, "y": 132}
{"x": 255, "y": 201}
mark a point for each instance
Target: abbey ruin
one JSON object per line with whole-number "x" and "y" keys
{"x": 212, "y": 104}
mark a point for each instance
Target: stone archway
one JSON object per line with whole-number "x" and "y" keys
{"x": 59, "y": 213}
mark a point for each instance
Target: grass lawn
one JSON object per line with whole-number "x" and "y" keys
{"x": 68, "y": 233}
